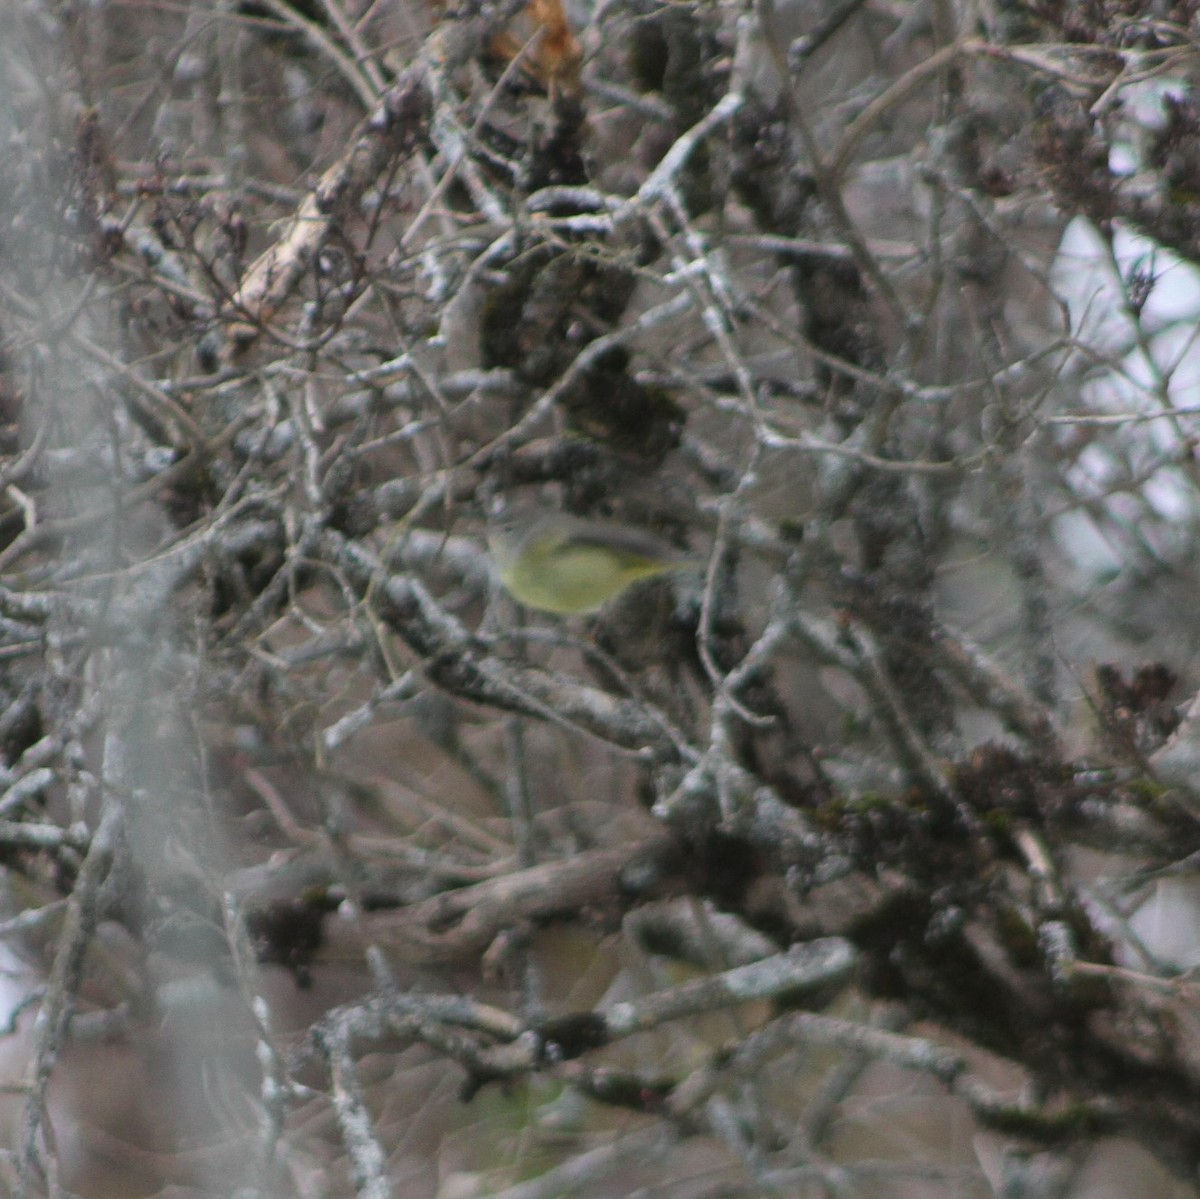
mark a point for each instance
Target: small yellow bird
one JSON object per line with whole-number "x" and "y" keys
{"x": 556, "y": 562}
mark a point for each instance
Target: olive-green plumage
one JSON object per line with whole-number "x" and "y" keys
{"x": 560, "y": 563}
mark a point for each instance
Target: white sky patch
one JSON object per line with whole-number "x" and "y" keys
{"x": 1144, "y": 361}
